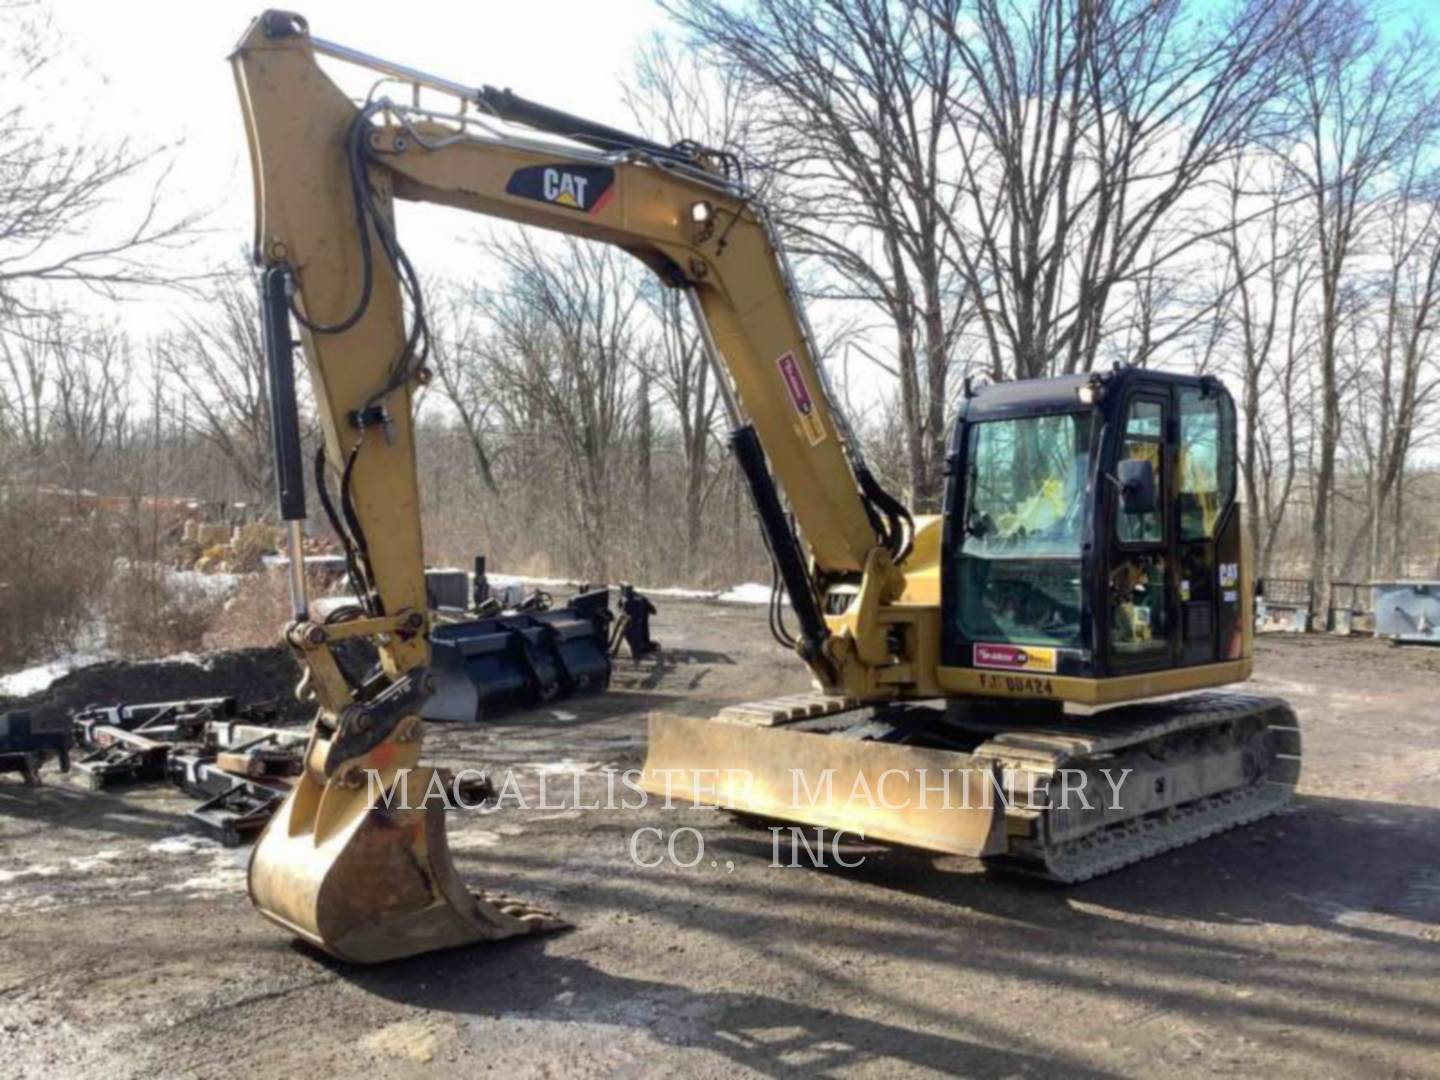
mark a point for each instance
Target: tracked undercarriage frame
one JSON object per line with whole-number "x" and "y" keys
{"x": 1197, "y": 766}
{"x": 1079, "y": 796}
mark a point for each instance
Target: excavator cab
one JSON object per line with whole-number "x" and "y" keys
{"x": 1092, "y": 531}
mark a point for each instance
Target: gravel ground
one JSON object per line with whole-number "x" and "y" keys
{"x": 1307, "y": 945}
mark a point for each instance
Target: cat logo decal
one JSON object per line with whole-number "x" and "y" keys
{"x": 586, "y": 188}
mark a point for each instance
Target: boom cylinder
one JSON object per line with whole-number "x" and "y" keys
{"x": 284, "y": 415}
{"x": 285, "y": 425}
{"x": 780, "y": 539}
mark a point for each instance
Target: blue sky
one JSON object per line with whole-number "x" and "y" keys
{"x": 1426, "y": 11}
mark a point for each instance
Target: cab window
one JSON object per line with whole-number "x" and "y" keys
{"x": 1204, "y": 466}
{"x": 1144, "y": 437}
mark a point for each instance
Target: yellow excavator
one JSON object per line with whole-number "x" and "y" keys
{"x": 1088, "y": 561}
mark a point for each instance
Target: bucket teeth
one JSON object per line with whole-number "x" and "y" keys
{"x": 538, "y": 919}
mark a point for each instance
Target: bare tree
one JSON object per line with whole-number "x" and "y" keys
{"x": 1278, "y": 449}
{"x": 1365, "y": 104}
{"x": 566, "y": 338}
{"x": 849, "y": 118}
{"x": 1405, "y": 378}
{"x": 679, "y": 98}
{"x": 217, "y": 358}
{"x": 1083, "y": 132}
{"x": 1267, "y": 282}
{"x": 92, "y": 396}
{"x": 458, "y": 355}
{"x": 64, "y": 393}
{"x": 683, "y": 376}
{"x": 58, "y": 219}
{"x": 28, "y": 362}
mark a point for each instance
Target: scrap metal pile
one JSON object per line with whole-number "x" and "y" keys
{"x": 235, "y": 761}
{"x": 493, "y": 650}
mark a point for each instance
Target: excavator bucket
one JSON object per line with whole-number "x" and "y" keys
{"x": 358, "y": 864}
{"x": 939, "y": 800}
{"x": 520, "y": 659}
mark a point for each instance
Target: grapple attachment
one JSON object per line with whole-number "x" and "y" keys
{"x": 356, "y": 862}
{"x": 935, "y": 799}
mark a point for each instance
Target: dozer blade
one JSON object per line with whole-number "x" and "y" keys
{"x": 357, "y": 862}
{"x": 934, "y": 799}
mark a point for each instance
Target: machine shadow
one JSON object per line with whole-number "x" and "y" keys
{"x": 1305, "y": 868}
{"x": 768, "y": 1035}
{"x": 673, "y": 656}
{"x": 1324, "y": 858}
{"x": 59, "y": 802}
{"x": 667, "y": 665}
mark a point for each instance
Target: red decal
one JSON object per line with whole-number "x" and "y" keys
{"x": 603, "y": 201}
{"x": 795, "y": 383}
{"x": 1001, "y": 656}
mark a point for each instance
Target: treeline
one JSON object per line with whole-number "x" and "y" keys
{"x": 977, "y": 190}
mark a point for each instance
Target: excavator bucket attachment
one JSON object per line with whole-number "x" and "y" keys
{"x": 935, "y": 799}
{"x": 357, "y": 862}
{"x": 520, "y": 659}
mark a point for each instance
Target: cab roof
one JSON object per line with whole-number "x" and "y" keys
{"x": 1030, "y": 397}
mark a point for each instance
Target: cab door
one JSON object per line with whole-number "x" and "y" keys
{"x": 1138, "y": 610}
{"x": 1206, "y": 522}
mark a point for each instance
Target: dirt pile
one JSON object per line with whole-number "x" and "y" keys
{"x": 252, "y": 676}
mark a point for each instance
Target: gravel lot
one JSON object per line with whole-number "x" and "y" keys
{"x": 1308, "y": 945}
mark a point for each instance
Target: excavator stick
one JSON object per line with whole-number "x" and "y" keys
{"x": 357, "y": 863}
{"x": 939, "y": 800}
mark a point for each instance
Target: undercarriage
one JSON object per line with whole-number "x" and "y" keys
{"x": 1032, "y": 790}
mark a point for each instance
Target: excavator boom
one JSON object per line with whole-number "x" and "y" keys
{"x": 341, "y": 864}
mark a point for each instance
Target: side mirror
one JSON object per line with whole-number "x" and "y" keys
{"x": 1136, "y": 478}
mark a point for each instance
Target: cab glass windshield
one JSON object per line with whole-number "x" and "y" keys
{"x": 1024, "y": 515}
{"x": 1027, "y": 485}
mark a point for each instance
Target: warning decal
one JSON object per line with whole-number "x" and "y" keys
{"x": 810, "y": 423}
{"x": 1014, "y": 658}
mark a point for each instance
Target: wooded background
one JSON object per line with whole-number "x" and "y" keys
{"x": 986, "y": 190}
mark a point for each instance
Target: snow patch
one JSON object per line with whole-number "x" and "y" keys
{"x": 185, "y": 844}
{"x": 193, "y": 659}
{"x": 85, "y": 863}
{"x": 543, "y": 582}
{"x": 473, "y": 838}
{"x": 33, "y": 680}
{"x": 221, "y": 879}
{"x": 550, "y": 768}
{"x": 749, "y": 593}
{"x": 217, "y": 585}
{"x": 684, "y": 594}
